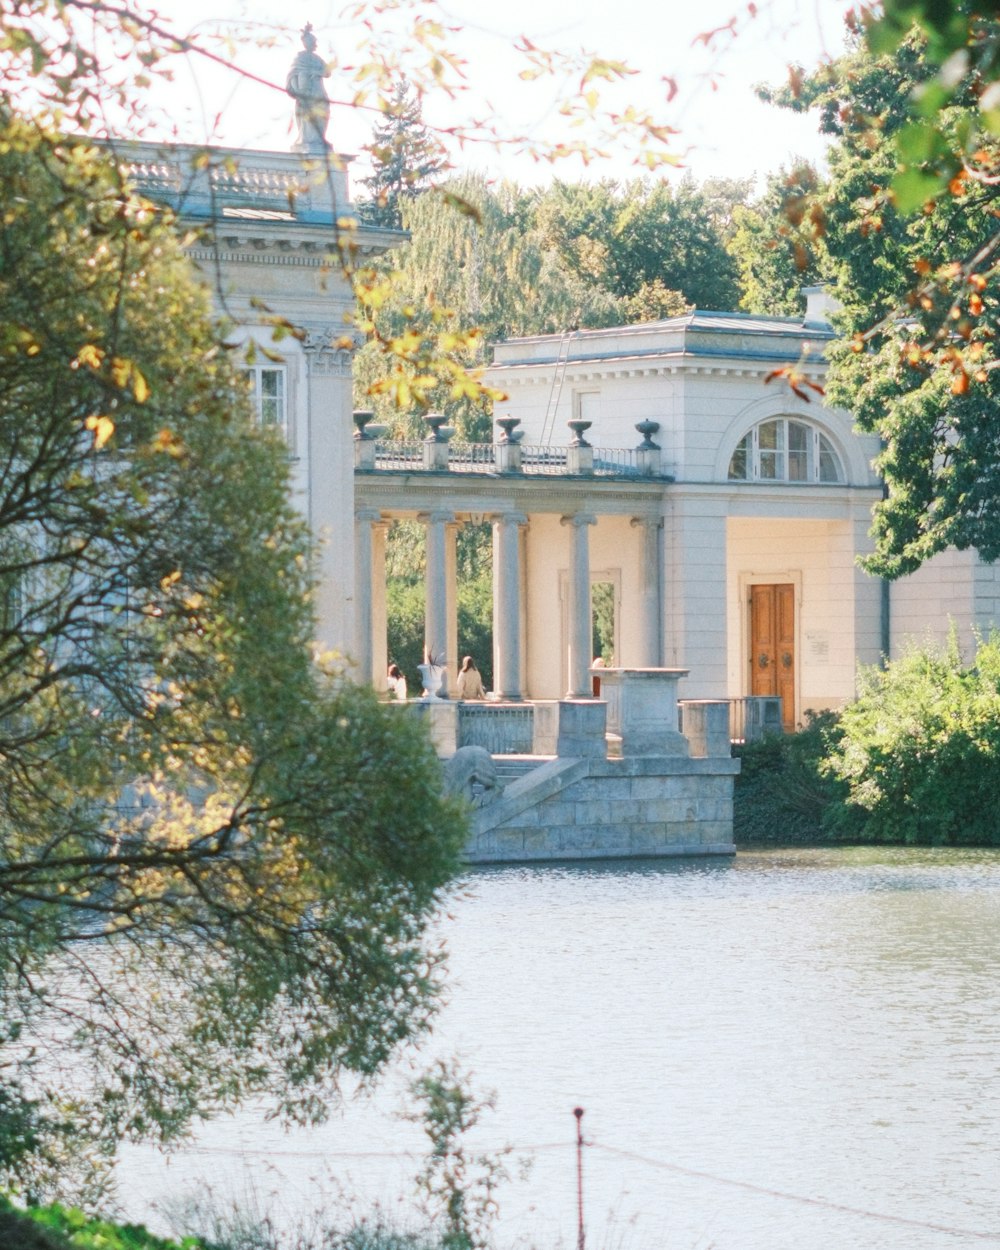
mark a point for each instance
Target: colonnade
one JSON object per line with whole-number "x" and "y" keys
{"x": 441, "y": 615}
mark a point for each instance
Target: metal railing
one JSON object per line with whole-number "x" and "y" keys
{"x": 502, "y": 728}
{"x": 615, "y": 462}
{"x": 471, "y": 457}
{"x": 399, "y": 455}
{"x": 536, "y": 458}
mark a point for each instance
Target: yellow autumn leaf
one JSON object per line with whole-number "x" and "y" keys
{"x": 103, "y": 428}
{"x": 166, "y": 440}
{"x": 140, "y": 387}
{"x": 120, "y": 371}
{"x": 89, "y": 355}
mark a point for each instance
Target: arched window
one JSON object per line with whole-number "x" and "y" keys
{"x": 783, "y": 450}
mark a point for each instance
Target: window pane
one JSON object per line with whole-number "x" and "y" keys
{"x": 267, "y": 388}
{"x": 769, "y": 435}
{"x": 772, "y": 466}
{"x": 271, "y": 382}
{"x": 829, "y": 464}
{"x": 738, "y": 464}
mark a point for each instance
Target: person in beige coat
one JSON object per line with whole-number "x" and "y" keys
{"x": 470, "y": 683}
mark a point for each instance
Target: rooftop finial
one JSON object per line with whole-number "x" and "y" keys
{"x": 305, "y": 86}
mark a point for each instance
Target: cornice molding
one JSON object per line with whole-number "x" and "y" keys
{"x": 533, "y": 375}
{"x": 287, "y": 254}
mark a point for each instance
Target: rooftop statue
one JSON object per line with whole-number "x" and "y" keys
{"x": 305, "y": 86}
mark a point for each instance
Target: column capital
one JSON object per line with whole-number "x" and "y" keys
{"x": 329, "y": 348}
{"x": 579, "y": 519}
{"x": 510, "y": 518}
{"x": 437, "y": 516}
{"x": 651, "y": 522}
{"x": 368, "y": 513}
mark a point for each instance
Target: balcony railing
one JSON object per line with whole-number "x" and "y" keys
{"x": 408, "y": 457}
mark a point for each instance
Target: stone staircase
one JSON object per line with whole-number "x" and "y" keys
{"x": 512, "y": 767}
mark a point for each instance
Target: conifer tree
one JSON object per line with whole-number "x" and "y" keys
{"x": 406, "y": 156}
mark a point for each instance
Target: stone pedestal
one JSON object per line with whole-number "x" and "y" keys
{"x": 441, "y": 718}
{"x": 545, "y": 727}
{"x": 706, "y": 727}
{"x": 642, "y": 709}
{"x": 581, "y": 731}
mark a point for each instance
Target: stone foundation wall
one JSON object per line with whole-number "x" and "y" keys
{"x": 610, "y": 808}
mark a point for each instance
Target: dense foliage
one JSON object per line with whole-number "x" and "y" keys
{"x": 64, "y": 1228}
{"x": 920, "y": 747}
{"x": 775, "y": 244}
{"x": 206, "y": 888}
{"x": 486, "y": 262}
{"x": 785, "y": 794}
{"x": 908, "y": 225}
{"x": 913, "y": 759}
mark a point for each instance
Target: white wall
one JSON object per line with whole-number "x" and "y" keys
{"x": 817, "y": 557}
{"x": 953, "y": 587}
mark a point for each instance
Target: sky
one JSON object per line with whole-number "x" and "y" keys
{"x": 723, "y": 129}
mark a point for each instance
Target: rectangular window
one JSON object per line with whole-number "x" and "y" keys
{"x": 267, "y": 389}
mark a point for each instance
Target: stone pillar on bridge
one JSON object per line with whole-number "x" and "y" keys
{"x": 436, "y": 609}
{"x": 649, "y": 606}
{"x": 507, "y": 605}
{"x": 369, "y": 596}
{"x": 580, "y": 618}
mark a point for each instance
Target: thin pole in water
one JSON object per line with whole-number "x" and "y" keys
{"x": 581, "y": 1236}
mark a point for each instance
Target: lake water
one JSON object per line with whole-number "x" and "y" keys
{"x": 792, "y": 1050}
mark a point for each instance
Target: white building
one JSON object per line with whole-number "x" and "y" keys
{"x": 757, "y": 583}
{"x": 729, "y": 537}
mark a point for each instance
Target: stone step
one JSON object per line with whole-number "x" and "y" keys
{"x": 511, "y": 767}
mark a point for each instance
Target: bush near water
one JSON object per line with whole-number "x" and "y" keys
{"x": 913, "y": 760}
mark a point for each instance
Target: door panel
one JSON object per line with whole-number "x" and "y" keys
{"x": 772, "y": 646}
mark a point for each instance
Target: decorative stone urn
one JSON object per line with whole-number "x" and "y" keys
{"x": 431, "y": 675}
{"x": 507, "y": 452}
{"x": 365, "y": 437}
{"x": 508, "y": 434}
{"x": 647, "y": 429}
{"x": 579, "y": 428}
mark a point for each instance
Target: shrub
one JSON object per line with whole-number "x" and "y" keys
{"x": 919, "y": 748}
{"x": 785, "y": 792}
{"x": 64, "y": 1228}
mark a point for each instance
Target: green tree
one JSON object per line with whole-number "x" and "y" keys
{"x": 628, "y": 239}
{"x": 919, "y": 748}
{"x": 919, "y": 312}
{"x": 775, "y": 245}
{"x": 207, "y": 891}
{"x": 407, "y": 159}
{"x": 475, "y": 270}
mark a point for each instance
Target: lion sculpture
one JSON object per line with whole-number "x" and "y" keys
{"x": 472, "y": 772}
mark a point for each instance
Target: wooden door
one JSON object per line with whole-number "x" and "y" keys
{"x": 772, "y": 646}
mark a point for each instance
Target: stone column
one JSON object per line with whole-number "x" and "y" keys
{"x": 380, "y": 619}
{"x": 329, "y": 447}
{"x": 436, "y": 610}
{"x": 451, "y": 600}
{"x": 507, "y": 605}
{"x": 580, "y": 616}
{"x": 364, "y": 568}
{"x": 649, "y": 591}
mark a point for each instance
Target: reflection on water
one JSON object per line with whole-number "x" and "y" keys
{"x": 786, "y": 1051}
